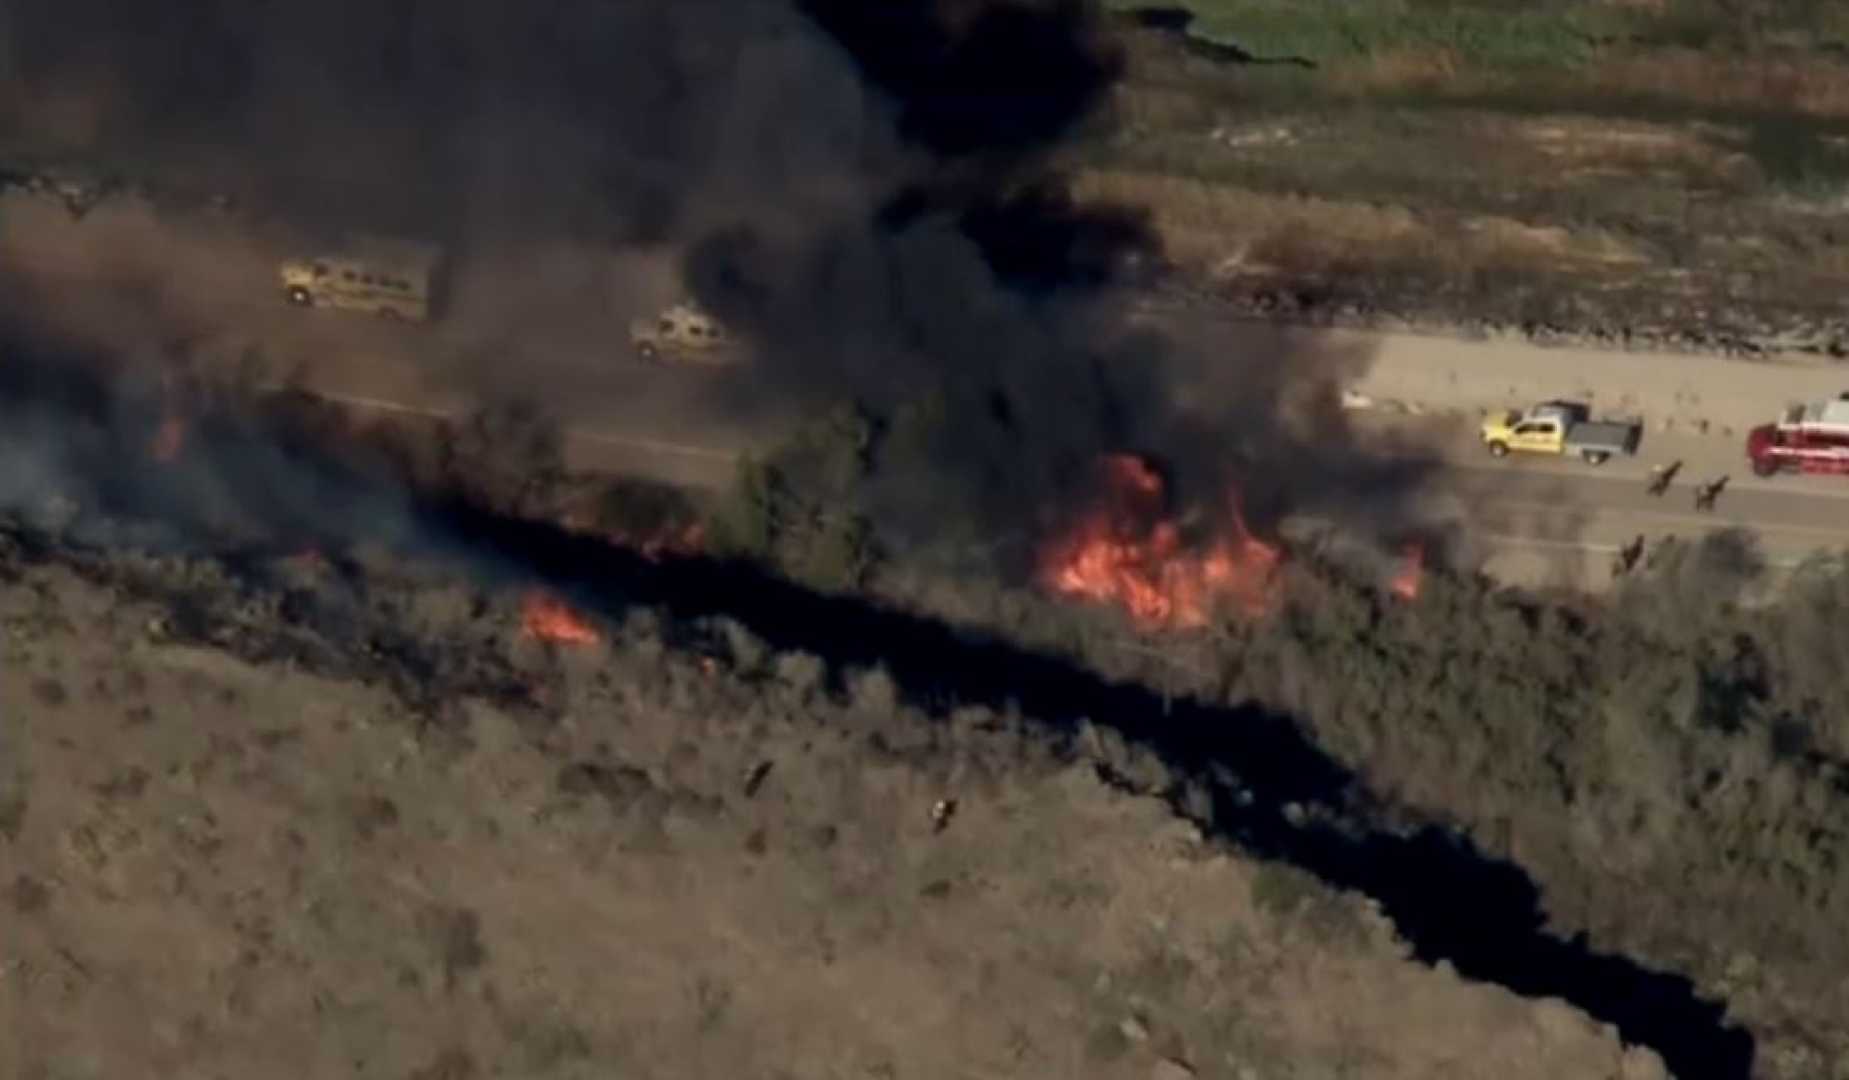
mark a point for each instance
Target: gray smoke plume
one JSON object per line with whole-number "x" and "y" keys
{"x": 866, "y": 189}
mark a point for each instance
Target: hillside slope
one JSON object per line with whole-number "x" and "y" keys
{"x": 637, "y": 858}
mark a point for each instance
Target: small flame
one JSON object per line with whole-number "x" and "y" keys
{"x": 1131, "y": 474}
{"x": 548, "y": 618}
{"x": 1132, "y": 554}
{"x": 1411, "y": 576}
{"x": 687, "y": 540}
{"x": 683, "y": 540}
{"x": 169, "y": 439}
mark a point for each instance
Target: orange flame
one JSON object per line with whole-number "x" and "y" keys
{"x": 169, "y": 439}
{"x": 548, "y": 618}
{"x": 1131, "y": 553}
{"x": 1411, "y": 576}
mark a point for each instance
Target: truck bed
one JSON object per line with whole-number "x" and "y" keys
{"x": 1612, "y": 436}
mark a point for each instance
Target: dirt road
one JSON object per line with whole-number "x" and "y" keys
{"x": 125, "y": 276}
{"x": 1690, "y": 393}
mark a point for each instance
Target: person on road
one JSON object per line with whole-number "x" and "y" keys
{"x": 1706, "y": 494}
{"x": 1661, "y": 475}
{"x": 1626, "y": 559}
{"x": 941, "y": 812}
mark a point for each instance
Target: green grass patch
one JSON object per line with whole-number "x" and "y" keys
{"x": 1410, "y": 157}
{"x": 1490, "y": 33}
{"x": 1501, "y": 34}
{"x": 1692, "y": 157}
{"x": 1526, "y": 39}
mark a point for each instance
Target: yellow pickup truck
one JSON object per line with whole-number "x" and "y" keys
{"x": 1560, "y": 427}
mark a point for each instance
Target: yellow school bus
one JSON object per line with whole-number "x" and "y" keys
{"x": 391, "y": 279}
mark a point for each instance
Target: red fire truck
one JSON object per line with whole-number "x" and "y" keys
{"x": 1811, "y": 438}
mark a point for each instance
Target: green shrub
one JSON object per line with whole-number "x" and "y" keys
{"x": 798, "y": 511}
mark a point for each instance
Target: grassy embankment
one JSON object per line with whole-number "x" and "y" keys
{"x": 1587, "y": 164}
{"x": 1670, "y": 765}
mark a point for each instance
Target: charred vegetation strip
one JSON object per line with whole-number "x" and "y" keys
{"x": 1252, "y": 778}
{"x": 1243, "y": 773}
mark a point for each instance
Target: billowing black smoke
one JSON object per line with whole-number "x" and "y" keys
{"x": 545, "y": 117}
{"x": 971, "y": 279}
{"x": 870, "y": 190}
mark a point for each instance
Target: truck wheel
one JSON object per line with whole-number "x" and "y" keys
{"x": 1498, "y": 449}
{"x": 1596, "y": 457}
{"x": 299, "y": 296}
{"x": 1763, "y": 467}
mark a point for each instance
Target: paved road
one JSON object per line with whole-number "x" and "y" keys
{"x": 1564, "y": 520}
{"x": 124, "y": 276}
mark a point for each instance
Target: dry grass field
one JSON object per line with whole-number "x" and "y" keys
{"x": 1592, "y": 165}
